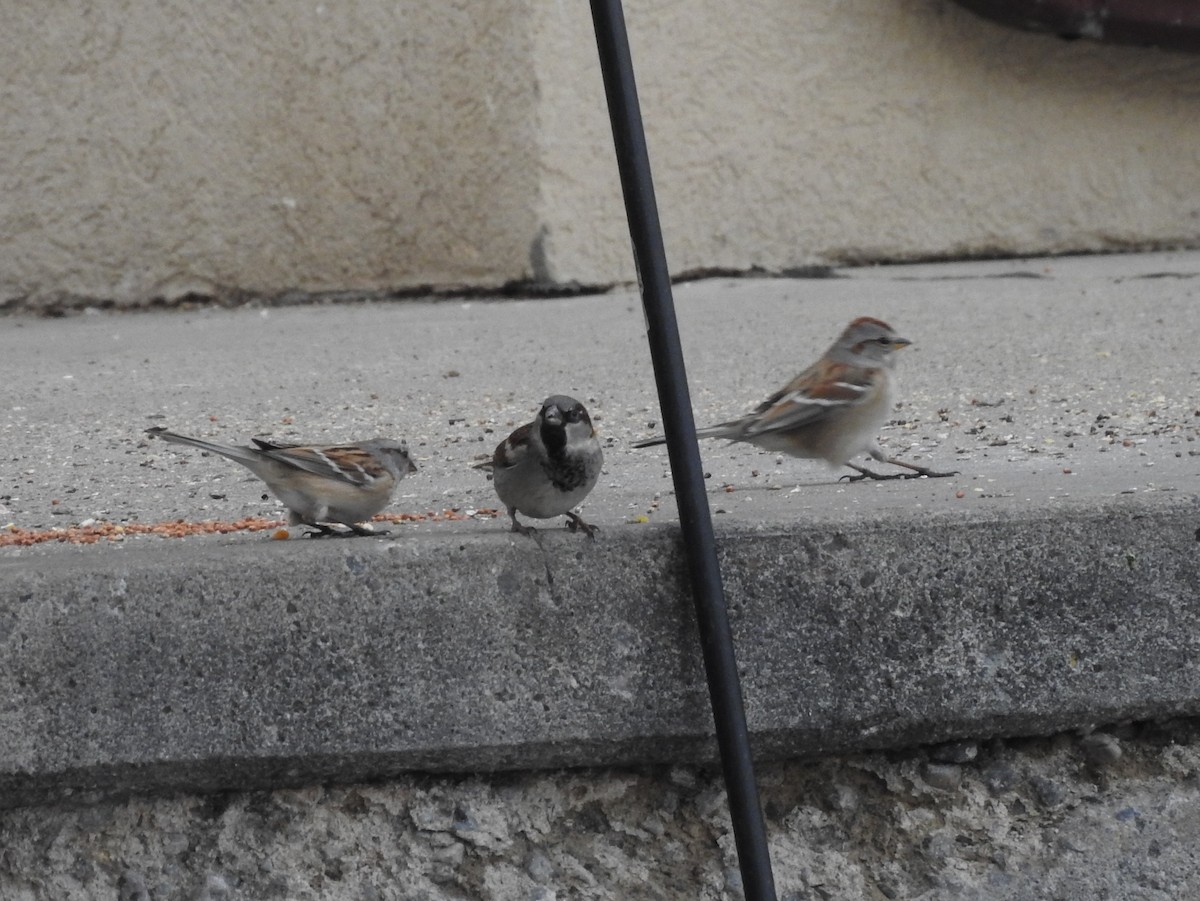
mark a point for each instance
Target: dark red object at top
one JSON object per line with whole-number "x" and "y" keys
{"x": 1170, "y": 24}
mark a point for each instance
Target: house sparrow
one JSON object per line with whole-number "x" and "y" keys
{"x": 547, "y": 466}
{"x": 347, "y": 483}
{"x": 833, "y": 409}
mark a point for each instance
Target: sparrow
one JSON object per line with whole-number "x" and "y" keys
{"x": 833, "y": 409}
{"x": 340, "y": 483}
{"x": 546, "y": 467}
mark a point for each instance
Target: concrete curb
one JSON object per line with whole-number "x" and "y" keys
{"x": 154, "y": 671}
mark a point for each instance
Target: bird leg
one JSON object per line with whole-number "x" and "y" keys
{"x": 915, "y": 473}
{"x": 577, "y": 524}
{"x": 517, "y": 527}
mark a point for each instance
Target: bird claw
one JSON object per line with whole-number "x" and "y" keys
{"x": 932, "y": 474}
{"x": 576, "y": 524}
{"x": 371, "y": 533}
{"x": 916, "y": 472}
{"x": 322, "y": 531}
{"x": 864, "y": 473}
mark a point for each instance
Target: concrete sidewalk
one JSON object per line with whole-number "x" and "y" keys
{"x": 1054, "y": 583}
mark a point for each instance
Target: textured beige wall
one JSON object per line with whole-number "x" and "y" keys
{"x": 156, "y": 147}
{"x": 788, "y": 132}
{"x": 160, "y": 147}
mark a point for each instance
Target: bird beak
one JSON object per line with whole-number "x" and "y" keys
{"x": 552, "y": 415}
{"x": 901, "y": 342}
{"x": 412, "y": 467}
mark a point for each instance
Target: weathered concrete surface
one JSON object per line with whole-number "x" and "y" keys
{"x": 1111, "y": 816}
{"x": 1053, "y": 584}
{"x": 157, "y": 669}
{"x": 1047, "y": 382}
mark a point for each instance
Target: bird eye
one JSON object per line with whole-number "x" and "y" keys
{"x": 885, "y": 341}
{"x": 573, "y": 415}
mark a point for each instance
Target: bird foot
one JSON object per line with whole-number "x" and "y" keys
{"x": 921, "y": 471}
{"x": 360, "y": 530}
{"x": 864, "y": 473}
{"x": 576, "y": 524}
{"x": 528, "y": 531}
{"x": 915, "y": 472}
{"x": 323, "y": 531}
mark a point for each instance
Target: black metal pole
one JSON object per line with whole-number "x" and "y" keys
{"x": 700, "y": 548}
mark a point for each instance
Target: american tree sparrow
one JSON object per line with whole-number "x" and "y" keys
{"x": 346, "y": 483}
{"x": 548, "y": 466}
{"x": 833, "y": 409}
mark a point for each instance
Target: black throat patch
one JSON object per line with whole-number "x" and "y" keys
{"x": 565, "y": 473}
{"x": 554, "y": 437}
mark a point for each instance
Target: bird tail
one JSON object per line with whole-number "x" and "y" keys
{"x": 722, "y": 430}
{"x": 651, "y": 442}
{"x": 241, "y": 454}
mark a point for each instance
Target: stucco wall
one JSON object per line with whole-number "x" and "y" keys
{"x": 158, "y": 149}
{"x": 161, "y": 148}
{"x": 786, "y": 133}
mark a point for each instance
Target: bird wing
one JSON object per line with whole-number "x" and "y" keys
{"x": 513, "y": 449}
{"x": 352, "y": 464}
{"x": 817, "y": 392}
